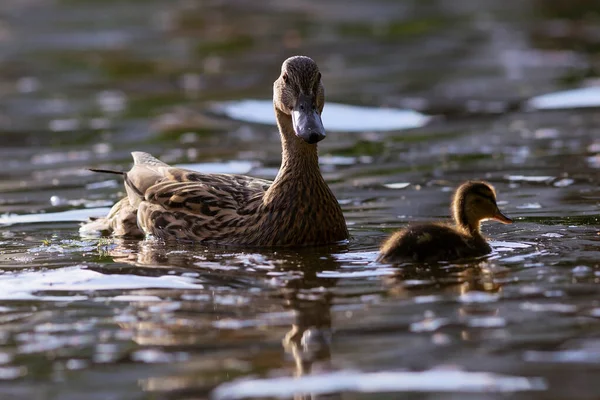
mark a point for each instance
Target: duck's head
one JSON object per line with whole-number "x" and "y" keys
{"x": 298, "y": 93}
{"x": 475, "y": 202}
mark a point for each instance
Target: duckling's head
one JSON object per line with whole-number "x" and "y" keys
{"x": 298, "y": 93}
{"x": 475, "y": 202}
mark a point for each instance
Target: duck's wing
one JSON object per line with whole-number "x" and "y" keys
{"x": 182, "y": 189}
{"x": 155, "y": 189}
{"x": 152, "y": 180}
{"x": 177, "y": 202}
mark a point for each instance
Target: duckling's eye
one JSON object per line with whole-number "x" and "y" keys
{"x": 285, "y": 78}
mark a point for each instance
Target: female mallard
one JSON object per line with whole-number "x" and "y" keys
{"x": 297, "y": 209}
{"x": 473, "y": 202}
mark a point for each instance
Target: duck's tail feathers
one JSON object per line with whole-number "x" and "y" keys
{"x": 107, "y": 171}
{"x": 128, "y": 183}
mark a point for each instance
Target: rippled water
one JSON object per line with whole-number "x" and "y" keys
{"x": 490, "y": 84}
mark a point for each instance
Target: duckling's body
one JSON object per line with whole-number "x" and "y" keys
{"x": 296, "y": 209}
{"x": 473, "y": 202}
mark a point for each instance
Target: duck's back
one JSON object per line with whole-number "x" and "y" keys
{"x": 200, "y": 207}
{"x": 432, "y": 242}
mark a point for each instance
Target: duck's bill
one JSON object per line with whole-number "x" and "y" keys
{"x": 502, "y": 218}
{"x": 307, "y": 121}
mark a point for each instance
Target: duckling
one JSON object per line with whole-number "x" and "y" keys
{"x": 472, "y": 203}
{"x": 296, "y": 209}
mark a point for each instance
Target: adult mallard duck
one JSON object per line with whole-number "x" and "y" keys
{"x": 472, "y": 203}
{"x": 296, "y": 209}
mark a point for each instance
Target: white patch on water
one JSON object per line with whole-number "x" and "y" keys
{"x": 530, "y": 206}
{"x": 486, "y": 322}
{"x": 398, "y": 185}
{"x": 356, "y": 257}
{"x": 364, "y": 273}
{"x": 429, "y": 324}
{"x": 552, "y": 235}
{"x": 337, "y": 160}
{"x": 575, "y": 98}
{"x": 478, "y": 297}
{"x": 523, "y": 178}
{"x": 152, "y": 356}
{"x": 393, "y": 381}
{"x": 283, "y": 318}
{"x": 230, "y": 167}
{"x": 63, "y": 216}
{"x": 26, "y": 285}
{"x": 336, "y": 117}
{"x": 499, "y": 245}
{"x": 548, "y": 307}
{"x": 564, "y": 182}
{"x": 522, "y": 257}
{"x": 130, "y": 298}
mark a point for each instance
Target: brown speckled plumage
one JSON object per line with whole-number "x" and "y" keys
{"x": 473, "y": 202}
{"x": 296, "y": 209}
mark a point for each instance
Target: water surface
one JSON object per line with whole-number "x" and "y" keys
{"x": 85, "y": 83}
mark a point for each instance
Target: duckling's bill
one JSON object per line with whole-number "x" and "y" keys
{"x": 501, "y": 218}
{"x": 307, "y": 121}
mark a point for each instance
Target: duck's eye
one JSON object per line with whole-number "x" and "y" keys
{"x": 285, "y": 78}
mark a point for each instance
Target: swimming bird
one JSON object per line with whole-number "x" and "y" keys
{"x": 472, "y": 203}
{"x": 296, "y": 209}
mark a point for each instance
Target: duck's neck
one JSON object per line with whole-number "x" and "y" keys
{"x": 468, "y": 225}
{"x": 299, "y": 199}
{"x": 299, "y": 159}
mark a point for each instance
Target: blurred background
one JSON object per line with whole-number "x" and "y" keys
{"x": 506, "y": 91}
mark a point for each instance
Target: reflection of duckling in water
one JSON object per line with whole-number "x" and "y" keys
{"x": 473, "y": 202}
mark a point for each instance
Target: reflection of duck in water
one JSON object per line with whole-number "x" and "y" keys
{"x": 473, "y": 202}
{"x": 297, "y": 209}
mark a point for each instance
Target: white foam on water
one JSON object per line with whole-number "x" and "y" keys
{"x": 501, "y": 246}
{"x": 478, "y": 297}
{"x": 63, "y": 216}
{"x": 24, "y": 285}
{"x": 365, "y": 273}
{"x": 336, "y": 117}
{"x": 398, "y": 185}
{"x": 523, "y": 178}
{"x": 574, "y": 98}
{"x": 529, "y": 206}
{"x": 401, "y": 381}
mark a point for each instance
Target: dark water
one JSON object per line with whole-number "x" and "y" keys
{"x": 85, "y": 83}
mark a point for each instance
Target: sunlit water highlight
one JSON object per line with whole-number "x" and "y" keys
{"x": 336, "y": 117}
{"x": 344, "y": 381}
